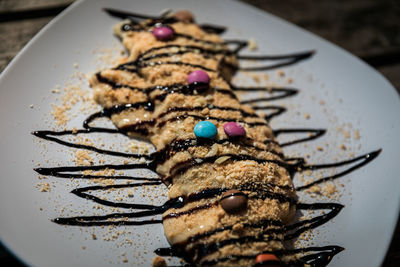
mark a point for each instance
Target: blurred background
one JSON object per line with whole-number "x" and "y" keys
{"x": 370, "y": 29}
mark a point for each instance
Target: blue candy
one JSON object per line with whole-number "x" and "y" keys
{"x": 205, "y": 129}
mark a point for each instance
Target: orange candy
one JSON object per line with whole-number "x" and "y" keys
{"x": 267, "y": 258}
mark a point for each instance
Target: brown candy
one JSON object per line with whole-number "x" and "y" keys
{"x": 233, "y": 201}
{"x": 184, "y": 16}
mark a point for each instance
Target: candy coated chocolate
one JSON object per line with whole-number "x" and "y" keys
{"x": 268, "y": 259}
{"x": 184, "y": 16}
{"x": 163, "y": 33}
{"x": 205, "y": 129}
{"x": 233, "y": 201}
{"x": 198, "y": 76}
{"x": 234, "y": 129}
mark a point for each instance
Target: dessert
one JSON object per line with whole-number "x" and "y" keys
{"x": 208, "y": 156}
{"x": 231, "y": 197}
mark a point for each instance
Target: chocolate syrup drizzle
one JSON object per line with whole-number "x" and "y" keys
{"x": 313, "y": 134}
{"x": 267, "y": 229}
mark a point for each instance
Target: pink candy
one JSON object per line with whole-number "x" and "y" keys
{"x": 198, "y": 76}
{"x": 234, "y": 129}
{"x": 163, "y": 33}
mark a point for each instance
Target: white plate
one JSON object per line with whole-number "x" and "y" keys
{"x": 354, "y": 93}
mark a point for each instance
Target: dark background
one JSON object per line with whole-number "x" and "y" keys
{"x": 370, "y": 29}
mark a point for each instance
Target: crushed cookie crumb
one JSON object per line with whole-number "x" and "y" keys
{"x": 356, "y": 134}
{"x": 330, "y": 189}
{"x": 129, "y": 192}
{"x": 238, "y": 227}
{"x": 45, "y": 187}
{"x": 252, "y": 45}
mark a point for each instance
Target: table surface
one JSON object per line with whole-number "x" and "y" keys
{"x": 369, "y": 29}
